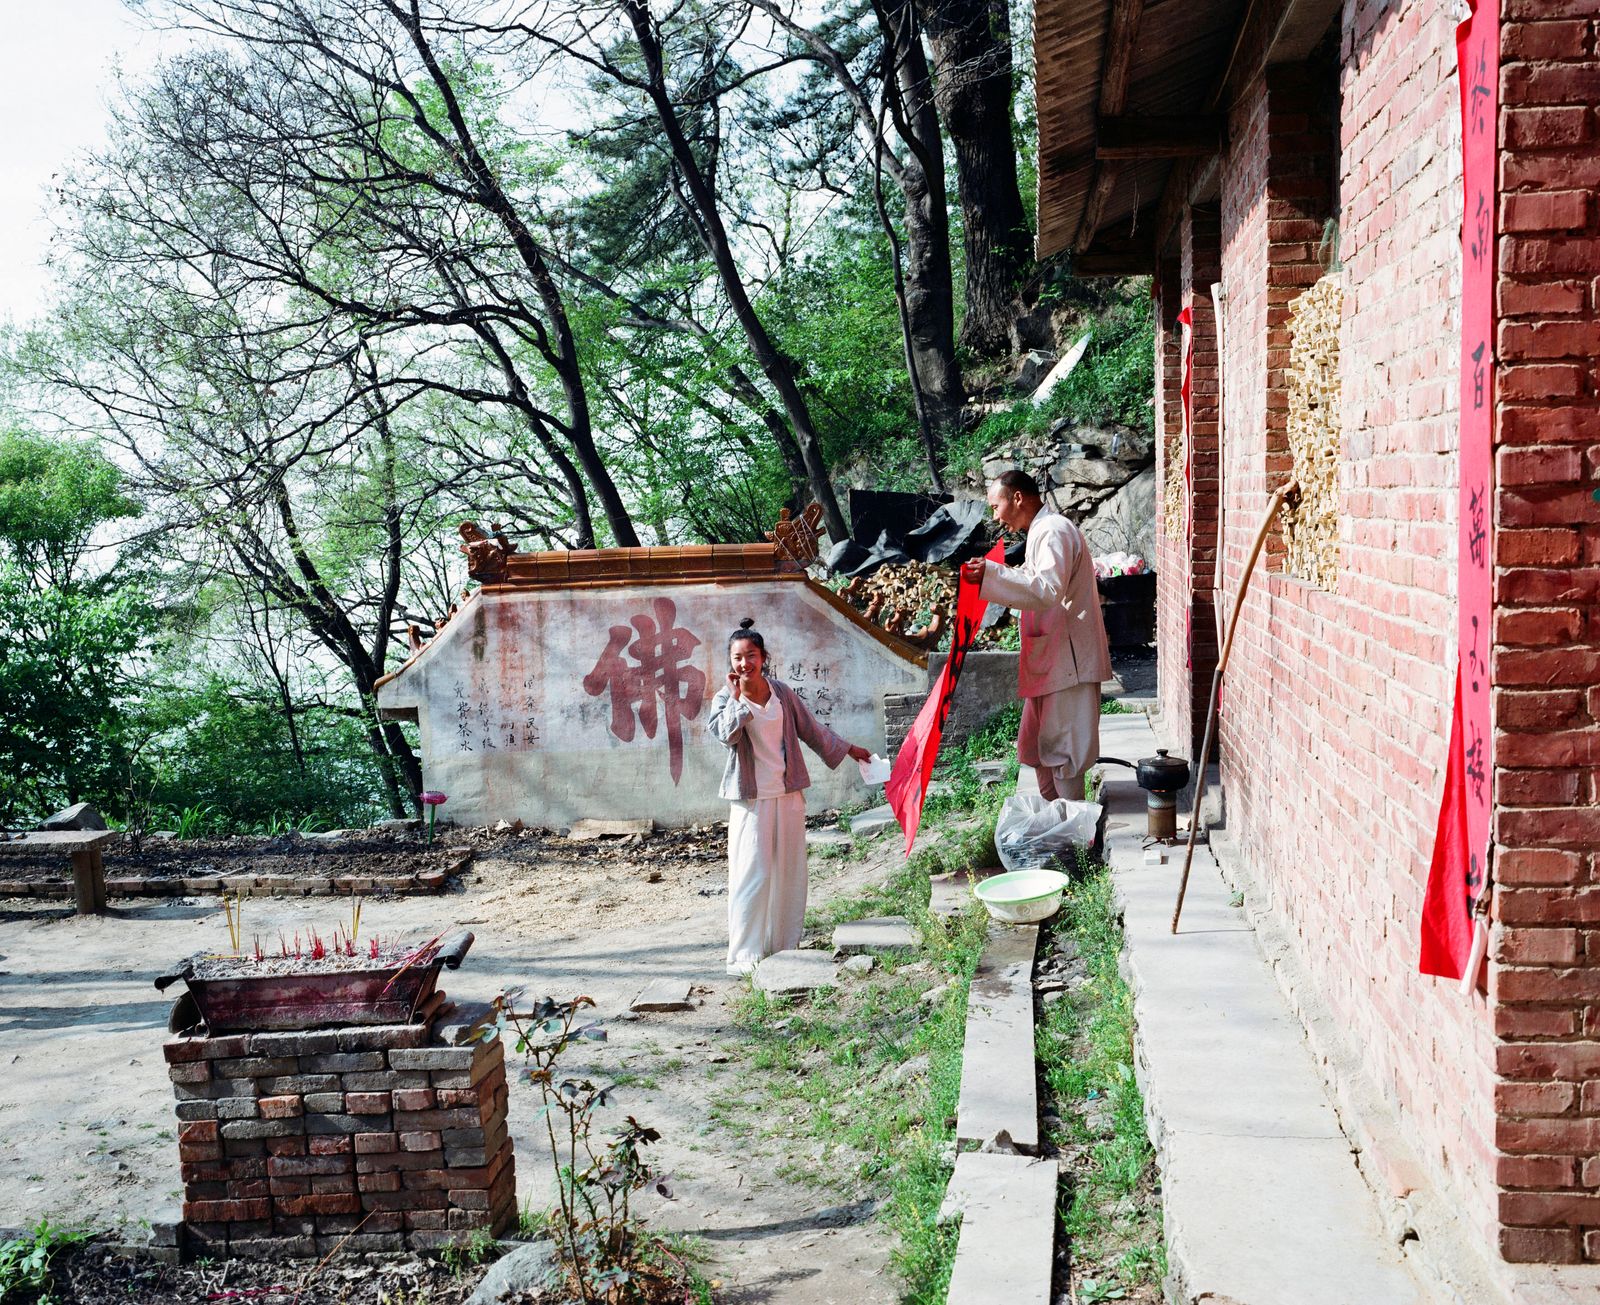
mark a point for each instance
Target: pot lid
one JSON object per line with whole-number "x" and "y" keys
{"x": 1164, "y": 767}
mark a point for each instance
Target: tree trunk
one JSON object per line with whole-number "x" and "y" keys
{"x": 561, "y": 351}
{"x": 971, "y": 41}
{"x": 930, "y": 293}
{"x": 777, "y": 368}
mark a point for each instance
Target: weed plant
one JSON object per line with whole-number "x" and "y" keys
{"x": 1084, "y": 1049}
{"x": 25, "y": 1262}
{"x": 604, "y": 1254}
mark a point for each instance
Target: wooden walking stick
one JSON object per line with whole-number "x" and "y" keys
{"x": 1290, "y": 492}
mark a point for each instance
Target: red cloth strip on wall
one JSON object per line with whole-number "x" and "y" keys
{"x": 1461, "y": 841}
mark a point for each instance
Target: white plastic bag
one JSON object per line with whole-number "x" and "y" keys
{"x": 875, "y": 770}
{"x": 1031, "y": 830}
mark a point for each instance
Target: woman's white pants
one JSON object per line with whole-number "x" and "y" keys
{"x": 766, "y": 878}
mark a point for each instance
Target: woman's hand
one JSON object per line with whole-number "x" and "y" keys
{"x": 858, "y": 753}
{"x": 736, "y": 683}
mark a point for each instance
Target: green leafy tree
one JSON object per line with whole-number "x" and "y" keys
{"x": 69, "y": 636}
{"x": 226, "y": 745}
{"x": 54, "y": 497}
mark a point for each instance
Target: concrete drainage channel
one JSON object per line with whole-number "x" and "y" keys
{"x": 1004, "y": 1195}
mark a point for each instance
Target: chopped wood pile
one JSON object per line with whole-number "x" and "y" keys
{"x": 914, "y": 600}
{"x": 1311, "y": 527}
{"x": 1172, "y": 506}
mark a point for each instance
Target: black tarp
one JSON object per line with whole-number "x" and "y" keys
{"x": 953, "y": 533}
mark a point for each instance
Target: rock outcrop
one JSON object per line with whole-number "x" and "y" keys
{"x": 1102, "y": 477}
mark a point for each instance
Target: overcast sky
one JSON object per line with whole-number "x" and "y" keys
{"x": 56, "y": 69}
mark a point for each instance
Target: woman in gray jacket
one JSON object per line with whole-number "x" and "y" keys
{"x": 761, "y": 721}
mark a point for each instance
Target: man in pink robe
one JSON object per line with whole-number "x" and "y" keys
{"x": 1064, "y": 651}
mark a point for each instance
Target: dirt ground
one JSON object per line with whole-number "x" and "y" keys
{"x": 86, "y": 1120}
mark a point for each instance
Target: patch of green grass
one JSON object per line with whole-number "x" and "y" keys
{"x": 1084, "y": 1047}
{"x": 826, "y": 1077}
{"x": 1116, "y": 707}
{"x": 966, "y": 795}
{"x": 625, "y": 1078}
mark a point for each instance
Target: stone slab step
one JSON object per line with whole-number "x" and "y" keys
{"x": 1007, "y": 1205}
{"x": 870, "y": 823}
{"x": 888, "y": 933}
{"x": 663, "y": 995}
{"x": 790, "y": 974}
{"x": 951, "y": 894}
{"x": 998, "y": 1092}
{"x": 584, "y": 830}
{"x": 829, "y": 838}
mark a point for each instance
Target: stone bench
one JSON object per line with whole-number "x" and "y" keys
{"x": 82, "y": 847}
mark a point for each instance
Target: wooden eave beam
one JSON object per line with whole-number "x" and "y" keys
{"x": 1302, "y": 24}
{"x": 1146, "y": 136}
{"x": 1120, "y": 262}
{"x": 1115, "y": 69}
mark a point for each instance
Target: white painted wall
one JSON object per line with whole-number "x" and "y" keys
{"x": 509, "y": 730}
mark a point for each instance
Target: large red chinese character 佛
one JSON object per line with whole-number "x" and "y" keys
{"x": 660, "y": 670}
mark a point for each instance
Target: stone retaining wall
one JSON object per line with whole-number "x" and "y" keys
{"x": 988, "y": 683}
{"x": 423, "y": 881}
{"x": 360, "y": 1139}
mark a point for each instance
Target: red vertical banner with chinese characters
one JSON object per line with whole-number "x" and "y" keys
{"x": 1186, "y": 321}
{"x": 1186, "y": 394}
{"x": 1450, "y": 924}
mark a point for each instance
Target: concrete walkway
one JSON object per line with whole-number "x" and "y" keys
{"x": 1263, "y": 1204}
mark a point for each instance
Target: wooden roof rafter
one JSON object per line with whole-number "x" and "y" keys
{"x": 1159, "y": 136}
{"x": 1126, "y": 15}
{"x": 1125, "y": 101}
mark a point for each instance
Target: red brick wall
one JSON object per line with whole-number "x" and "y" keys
{"x": 371, "y": 1138}
{"x": 1172, "y": 556}
{"x": 1545, "y": 978}
{"x": 1187, "y": 637}
{"x": 1336, "y": 704}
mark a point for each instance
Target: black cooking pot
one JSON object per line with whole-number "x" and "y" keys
{"x": 1158, "y": 774}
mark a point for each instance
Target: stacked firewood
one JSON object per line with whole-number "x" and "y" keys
{"x": 914, "y": 600}
{"x": 1172, "y": 504}
{"x": 911, "y": 599}
{"x": 1311, "y": 526}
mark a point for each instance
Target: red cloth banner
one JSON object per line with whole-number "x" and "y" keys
{"x": 907, "y": 785}
{"x": 1186, "y": 321}
{"x": 1461, "y": 842}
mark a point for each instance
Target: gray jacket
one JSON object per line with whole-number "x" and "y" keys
{"x": 729, "y": 715}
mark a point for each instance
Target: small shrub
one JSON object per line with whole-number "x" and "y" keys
{"x": 25, "y": 1261}
{"x": 194, "y": 821}
{"x": 603, "y": 1251}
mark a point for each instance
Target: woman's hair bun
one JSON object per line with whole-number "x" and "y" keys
{"x": 749, "y": 623}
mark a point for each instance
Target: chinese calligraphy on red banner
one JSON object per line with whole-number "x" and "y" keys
{"x": 1186, "y": 394}
{"x": 1461, "y": 842}
{"x": 659, "y": 682}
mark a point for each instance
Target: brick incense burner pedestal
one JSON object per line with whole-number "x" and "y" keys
{"x": 376, "y": 1138}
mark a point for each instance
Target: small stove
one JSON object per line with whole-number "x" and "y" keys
{"x": 1162, "y": 777}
